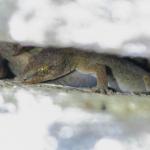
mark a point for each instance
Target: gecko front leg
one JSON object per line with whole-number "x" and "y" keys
{"x": 102, "y": 80}
{"x": 101, "y": 77}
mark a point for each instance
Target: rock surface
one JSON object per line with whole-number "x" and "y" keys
{"x": 50, "y": 117}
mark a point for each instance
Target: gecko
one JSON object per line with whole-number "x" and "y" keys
{"x": 51, "y": 63}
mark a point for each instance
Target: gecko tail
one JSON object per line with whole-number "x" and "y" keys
{"x": 146, "y": 79}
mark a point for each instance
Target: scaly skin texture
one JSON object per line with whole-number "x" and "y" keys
{"x": 17, "y": 56}
{"x": 16, "y": 63}
{"x": 52, "y": 63}
{"x": 42, "y": 64}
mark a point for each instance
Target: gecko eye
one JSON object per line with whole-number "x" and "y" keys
{"x": 43, "y": 69}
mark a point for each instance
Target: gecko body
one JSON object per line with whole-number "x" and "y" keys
{"x": 42, "y": 64}
{"x": 52, "y": 63}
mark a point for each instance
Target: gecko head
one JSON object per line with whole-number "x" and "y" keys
{"x": 36, "y": 75}
{"x": 43, "y": 66}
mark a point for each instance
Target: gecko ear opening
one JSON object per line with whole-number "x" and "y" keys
{"x": 146, "y": 79}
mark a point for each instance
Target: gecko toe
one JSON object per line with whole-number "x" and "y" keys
{"x": 107, "y": 91}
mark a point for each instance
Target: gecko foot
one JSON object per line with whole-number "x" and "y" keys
{"x": 107, "y": 91}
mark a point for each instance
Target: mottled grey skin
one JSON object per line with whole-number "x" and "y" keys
{"x": 128, "y": 76}
{"x": 49, "y": 64}
{"x": 42, "y": 64}
{"x": 16, "y": 63}
{"x": 18, "y": 57}
{"x": 52, "y": 63}
{"x": 17, "y": 60}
